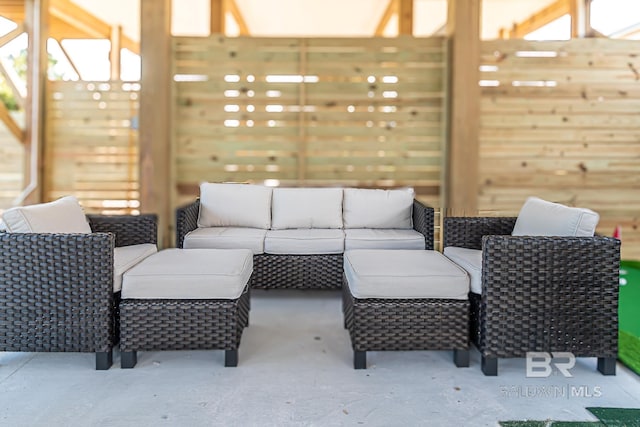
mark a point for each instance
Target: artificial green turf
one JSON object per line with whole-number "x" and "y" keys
{"x": 617, "y": 417}
{"x": 629, "y": 315}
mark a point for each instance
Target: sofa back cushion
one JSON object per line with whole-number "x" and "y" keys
{"x": 64, "y": 215}
{"x": 306, "y": 208}
{"x": 372, "y": 208}
{"x": 538, "y": 217}
{"x": 234, "y": 205}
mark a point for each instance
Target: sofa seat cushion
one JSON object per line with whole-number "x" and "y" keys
{"x": 304, "y": 241}
{"x": 234, "y": 205}
{"x": 126, "y": 257}
{"x": 64, "y": 215}
{"x": 374, "y": 208}
{"x": 190, "y": 274}
{"x": 538, "y": 217}
{"x": 226, "y": 238}
{"x": 368, "y": 238}
{"x": 471, "y": 261}
{"x": 306, "y": 208}
{"x": 404, "y": 274}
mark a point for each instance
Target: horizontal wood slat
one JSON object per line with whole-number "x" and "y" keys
{"x": 563, "y": 124}
{"x": 91, "y": 146}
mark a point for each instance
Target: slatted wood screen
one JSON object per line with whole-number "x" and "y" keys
{"x": 12, "y": 165}
{"x": 310, "y": 112}
{"x": 561, "y": 120}
{"x": 91, "y": 146}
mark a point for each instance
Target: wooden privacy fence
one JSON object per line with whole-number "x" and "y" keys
{"x": 310, "y": 112}
{"x": 91, "y": 146}
{"x": 561, "y": 120}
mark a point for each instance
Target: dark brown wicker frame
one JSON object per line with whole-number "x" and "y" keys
{"x": 542, "y": 294}
{"x": 182, "y": 324}
{"x": 299, "y": 271}
{"x": 56, "y": 290}
{"x": 376, "y": 324}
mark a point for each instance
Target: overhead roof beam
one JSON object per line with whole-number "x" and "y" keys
{"x": 541, "y": 18}
{"x": 12, "y": 35}
{"x": 232, "y": 7}
{"x": 11, "y": 124}
{"x": 392, "y": 9}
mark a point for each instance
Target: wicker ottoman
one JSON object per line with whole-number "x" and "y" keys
{"x": 405, "y": 300}
{"x": 186, "y": 299}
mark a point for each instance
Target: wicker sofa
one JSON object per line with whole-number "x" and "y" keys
{"x": 59, "y": 287}
{"x": 315, "y": 224}
{"x": 550, "y": 286}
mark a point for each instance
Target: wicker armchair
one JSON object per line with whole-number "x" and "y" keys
{"x": 540, "y": 294}
{"x": 56, "y": 290}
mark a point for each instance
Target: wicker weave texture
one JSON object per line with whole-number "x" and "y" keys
{"x": 406, "y": 324}
{"x": 172, "y": 324}
{"x": 423, "y": 220}
{"x": 297, "y": 271}
{"x": 468, "y": 232}
{"x": 186, "y": 220}
{"x": 57, "y": 292}
{"x": 128, "y": 229}
{"x": 549, "y": 294}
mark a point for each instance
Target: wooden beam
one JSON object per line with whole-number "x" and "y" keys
{"x": 69, "y": 12}
{"x": 217, "y": 22}
{"x": 114, "y": 52}
{"x": 155, "y": 132}
{"x": 69, "y": 58}
{"x": 405, "y": 17}
{"x": 461, "y": 181}
{"x": 37, "y": 27}
{"x": 392, "y": 9}
{"x": 12, "y": 35}
{"x": 11, "y": 124}
{"x": 232, "y": 7}
{"x": 540, "y": 19}
{"x": 580, "y": 11}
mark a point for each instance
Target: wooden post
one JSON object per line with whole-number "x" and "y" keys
{"x": 156, "y": 181}
{"x": 405, "y": 17}
{"x": 580, "y": 11}
{"x": 114, "y": 53}
{"x": 461, "y": 183}
{"x": 217, "y": 22}
{"x": 37, "y": 27}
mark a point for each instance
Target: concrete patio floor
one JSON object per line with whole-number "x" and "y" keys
{"x": 295, "y": 369}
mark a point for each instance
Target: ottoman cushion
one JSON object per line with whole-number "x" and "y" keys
{"x": 404, "y": 274}
{"x": 190, "y": 274}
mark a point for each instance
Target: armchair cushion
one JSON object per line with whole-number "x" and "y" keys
{"x": 306, "y": 208}
{"x": 471, "y": 261}
{"x": 369, "y": 208}
{"x": 64, "y": 215}
{"x": 538, "y": 217}
{"x": 234, "y": 205}
{"x": 126, "y": 257}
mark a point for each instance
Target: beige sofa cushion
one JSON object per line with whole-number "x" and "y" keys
{"x": 306, "y": 208}
{"x": 234, "y": 205}
{"x": 307, "y": 241}
{"x": 226, "y": 238}
{"x": 64, "y": 215}
{"x": 376, "y": 238}
{"x": 365, "y": 208}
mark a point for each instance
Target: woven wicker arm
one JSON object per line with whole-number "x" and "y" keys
{"x": 56, "y": 292}
{"x": 128, "y": 229}
{"x": 423, "y": 222}
{"x": 467, "y": 232}
{"x": 186, "y": 220}
{"x": 549, "y": 294}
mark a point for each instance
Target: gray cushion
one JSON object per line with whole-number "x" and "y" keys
{"x": 304, "y": 241}
{"x": 64, "y": 215}
{"x": 369, "y": 238}
{"x": 404, "y": 274}
{"x": 234, "y": 205}
{"x": 190, "y": 274}
{"x": 471, "y": 261}
{"x": 538, "y": 217}
{"x": 368, "y": 208}
{"x": 306, "y": 208}
{"x": 126, "y": 257}
{"x": 226, "y": 238}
